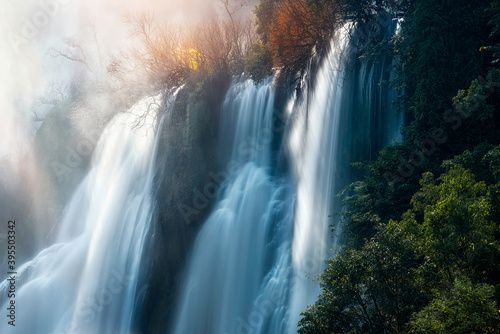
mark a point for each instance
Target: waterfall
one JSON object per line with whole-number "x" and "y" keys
{"x": 252, "y": 260}
{"x": 236, "y": 281}
{"x": 86, "y": 281}
{"x": 343, "y": 115}
{"x": 268, "y": 232}
{"x": 314, "y": 143}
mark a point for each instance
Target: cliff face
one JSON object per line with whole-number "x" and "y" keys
{"x": 186, "y": 162}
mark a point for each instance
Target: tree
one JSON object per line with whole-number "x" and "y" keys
{"x": 445, "y": 250}
{"x": 363, "y": 11}
{"x": 439, "y": 54}
{"x": 159, "y": 55}
{"x": 466, "y": 308}
{"x": 451, "y": 224}
{"x": 264, "y": 17}
{"x": 170, "y": 54}
{"x": 221, "y": 43}
{"x": 369, "y": 290}
{"x": 259, "y": 63}
{"x": 295, "y": 30}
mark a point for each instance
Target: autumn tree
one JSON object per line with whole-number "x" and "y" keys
{"x": 264, "y": 17}
{"x": 296, "y": 29}
{"x": 157, "y": 53}
{"x": 222, "y": 43}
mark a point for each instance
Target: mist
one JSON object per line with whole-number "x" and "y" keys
{"x": 37, "y": 76}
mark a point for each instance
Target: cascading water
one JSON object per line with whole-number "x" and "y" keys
{"x": 86, "y": 281}
{"x": 346, "y": 116}
{"x": 237, "y": 278}
{"x": 251, "y": 262}
{"x": 314, "y": 144}
{"x": 249, "y": 266}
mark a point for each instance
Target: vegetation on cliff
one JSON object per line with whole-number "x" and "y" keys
{"x": 422, "y": 228}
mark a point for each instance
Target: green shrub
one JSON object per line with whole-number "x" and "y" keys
{"x": 259, "y": 63}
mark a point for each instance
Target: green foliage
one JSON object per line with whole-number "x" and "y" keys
{"x": 369, "y": 290}
{"x": 376, "y": 198}
{"x": 439, "y": 53}
{"x": 320, "y": 7}
{"x": 437, "y": 238}
{"x": 259, "y": 63}
{"x": 475, "y": 100}
{"x": 445, "y": 250}
{"x": 437, "y": 58}
{"x": 362, "y": 11}
{"x": 466, "y": 308}
{"x": 494, "y": 22}
{"x": 263, "y": 18}
{"x": 451, "y": 222}
{"x": 423, "y": 253}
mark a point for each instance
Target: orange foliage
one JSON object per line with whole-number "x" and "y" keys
{"x": 294, "y": 31}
